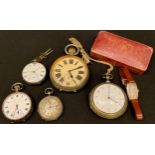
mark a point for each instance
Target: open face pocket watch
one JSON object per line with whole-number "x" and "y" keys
{"x": 18, "y": 105}
{"x": 70, "y": 72}
{"x": 108, "y": 100}
{"x": 35, "y": 72}
{"x": 50, "y": 108}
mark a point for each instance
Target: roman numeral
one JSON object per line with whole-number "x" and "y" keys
{"x": 62, "y": 80}
{"x": 71, "y": 61}
{"x": 65, "y": 62}
{"x": 81, "y": 72}
{"x": 58, "y": 75}
{"x": 7, "y": 111}
{"x": 79, "y": 77}
{"x": 58, "y": 70}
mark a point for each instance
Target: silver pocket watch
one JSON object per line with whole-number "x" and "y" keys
{"x": 35, "y": 72}
{"x": 108, "y": 100}
{"x": 18, "y": 105}
{"x": 50, "y": 108}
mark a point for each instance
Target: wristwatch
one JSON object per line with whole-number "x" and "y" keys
{"x": 132, "y": 91}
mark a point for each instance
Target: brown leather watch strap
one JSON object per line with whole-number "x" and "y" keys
{"x": 137, "y": 109}
{"x": 127, "y": 78}
{"x": 127, "y": 75}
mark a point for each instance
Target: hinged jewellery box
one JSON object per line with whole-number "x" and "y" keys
{"x": 122, "y": 52}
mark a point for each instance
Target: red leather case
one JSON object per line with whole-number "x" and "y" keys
{"x": 122, "y": 52}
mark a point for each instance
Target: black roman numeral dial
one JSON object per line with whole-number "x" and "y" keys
{"x": 69, "y": 73}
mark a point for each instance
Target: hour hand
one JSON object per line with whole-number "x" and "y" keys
{"x": 113, "y": 100}
{"x": 15, "y": 110}
{"x": 70, "y": 74}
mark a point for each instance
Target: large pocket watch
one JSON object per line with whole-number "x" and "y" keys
{"x": 70, "y": 73}
{"x": 35, "y": 72}
{"x": 108, "y": 100}
{"x": 18, "y": 105}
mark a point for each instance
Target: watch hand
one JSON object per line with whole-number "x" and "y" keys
{"x": 70, "y": 74}
{"x": 15, "y": 111}
{"x": 75, "y": 68}
{"x": 108, "y": 92}
{"x": 113, "y": 100}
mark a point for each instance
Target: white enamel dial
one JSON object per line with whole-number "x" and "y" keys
{"x": 34, "y": 73}
{"x": 17, "y": 106}
{"x": 108, "y": 101}
{"x": 50, "y": 108}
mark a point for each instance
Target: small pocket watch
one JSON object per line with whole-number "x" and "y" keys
{"x": 108, "y": 100}
{"x": 70, "y": 73}
{"x": 35, "y": 72}
{"x": 50, "y": 108}
{"x": 18, "y": 105}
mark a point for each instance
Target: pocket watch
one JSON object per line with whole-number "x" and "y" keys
{"x": 35, "y": 72}
{"x": 70, "y": 73}
{"x": 108, "y": 100}
{"x": 18, "y": 105}
{"x": 50, "y": 108}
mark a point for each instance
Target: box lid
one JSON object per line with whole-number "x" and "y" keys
{"x": 121, "y": 51}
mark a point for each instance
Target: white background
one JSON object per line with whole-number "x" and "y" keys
{"x": 77, "y": 139}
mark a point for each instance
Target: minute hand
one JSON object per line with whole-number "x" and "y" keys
{"x": 75, "y": 68}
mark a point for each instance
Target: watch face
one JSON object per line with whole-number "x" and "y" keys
{"x": 69, "y": 73}
{"x": 132, "y": 91}
{"x": 34, "y": 73}
{"x": 17, "y": 106}
{"x": 50, "y": 108}
{"x": 108, "y": 101}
